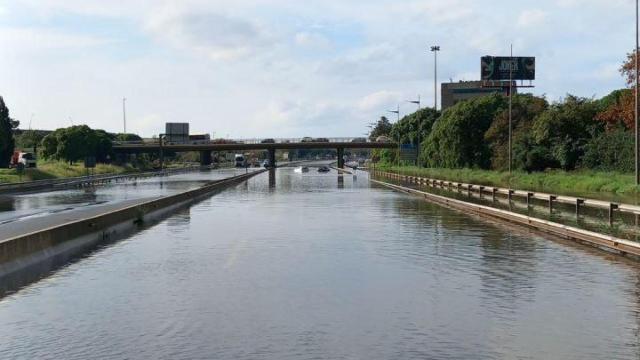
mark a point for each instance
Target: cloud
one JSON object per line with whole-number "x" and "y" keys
{"x": 378, "y": 100}
{"x": 531, "y": 18}
{"x": 218, "y": 36}
{"x": 312, "y": 40}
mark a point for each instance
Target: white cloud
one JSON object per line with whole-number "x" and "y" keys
{"x": 312, "y": 40}
{"x": 219, "y": 36}
{"x": 531, "y": 18}
{"x": 378, "y": 100}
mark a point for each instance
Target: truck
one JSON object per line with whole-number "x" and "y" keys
{"x": 25, "y": 158}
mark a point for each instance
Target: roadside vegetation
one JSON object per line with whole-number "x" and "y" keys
{"x": 53, "y": 169}
{"x": 572, "y": 145}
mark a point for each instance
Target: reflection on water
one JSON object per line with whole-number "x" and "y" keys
{"x": 302, "y": 268}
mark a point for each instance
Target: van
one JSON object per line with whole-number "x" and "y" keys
{"x": 240, "y": 160}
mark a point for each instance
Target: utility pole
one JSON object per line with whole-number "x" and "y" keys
{"x": 510, "y": 98}
{"x": 417, "y": 102}
{"x": 124, "y": 114}
{"x": 435, "y": 50}
{"x": 635, "y": 54}
{"x": 397, "y": 112}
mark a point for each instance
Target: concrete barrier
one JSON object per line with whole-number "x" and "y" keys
{"x": 28, "y": 249}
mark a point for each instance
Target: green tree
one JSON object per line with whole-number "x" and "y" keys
{"x": 525, "y": 109}
{"x": 566, "y": 127}
{"x": 414, "y": 127}
{"x": 77, "y": 142}
{"x": 610, "y": 151}
{"x": 457, "y": 138}
{"x": 7, "y": 142}
{"x": 381, "y": 128}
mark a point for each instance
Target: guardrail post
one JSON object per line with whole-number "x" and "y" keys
{"x": 493, "y": 194}
{"x": 612, "y": 207}
{"x": 529, "y": 195}
{"x": 579, "y": 202}
{"x": 552, "y": 198}
{"x": 469, "y": 187}
{"x": 459, "y": 186}
{"x": 510, "y": 194}
{"x": 481, "y": 191}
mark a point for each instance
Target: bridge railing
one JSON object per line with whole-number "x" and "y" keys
{"x": 253, "y": 140}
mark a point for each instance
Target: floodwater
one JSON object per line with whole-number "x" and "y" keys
{"x": 309, "y": 266}
{"x": 17, "y": 207}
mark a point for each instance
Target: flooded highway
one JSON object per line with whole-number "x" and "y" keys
{"x": 317, "y": 266}
{"x": 17, "y": 207}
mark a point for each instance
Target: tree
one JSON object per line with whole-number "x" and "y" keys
{"x": 127, "y": 137}
{"x": 616, "y": 109}
{"x": 525, "y": 109}
{"x": 457, "y": 138}
{"x": 414, "y": 127}
{"x": 77, "y": 142}
{"x": 628, "y": 69}
{"x": 566, "y": 127}
{"x": 381, "y": 128}
{"x": 7, "y": 142}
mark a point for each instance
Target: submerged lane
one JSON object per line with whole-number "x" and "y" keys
{"x": 314, "y": 267}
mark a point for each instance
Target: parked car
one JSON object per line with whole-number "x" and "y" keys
{"x": 307, "y": 139}
{"x": 323, "y": 169}
{"x": 266, "y": 163}
{"x": 321, "y": 140}
{"x": 359, "y": 140}
{"x": 267, "y": 141}
{"x": 383, "y": 139}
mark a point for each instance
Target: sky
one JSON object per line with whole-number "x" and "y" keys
{"x": 276, "y": 68}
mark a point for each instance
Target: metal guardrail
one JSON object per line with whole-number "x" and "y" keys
{"x": 607, "y": 242}
{"x": 81, "y": 180}
{"x": 578, "y": 202}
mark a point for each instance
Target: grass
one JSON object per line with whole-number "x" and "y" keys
{"x": 556, "y": 181}
{"x": 59, "y": 169}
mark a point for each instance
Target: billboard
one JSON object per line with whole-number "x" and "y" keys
{"x": 177, "y": 132}
{"x": 497, "y": 68}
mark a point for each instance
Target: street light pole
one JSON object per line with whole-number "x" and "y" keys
{"x": 510, "y": 102}
{"x": 417, "y": 102}
{"x": 124, "y": 115}
{"x": 397, "y": 112}
{"x": 435, "y": 50}
{"x": 635, "y": 54}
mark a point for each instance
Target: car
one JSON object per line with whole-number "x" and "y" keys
{"x": 306, "y": 139}
{"x": 323, "y": 169}
{"x": 383, "y": 139}
{"x": 266, "y": 164}
{"x": 321, "y": 140}
{"x": 268, "y": 141}
{"x": 359, "y": 140}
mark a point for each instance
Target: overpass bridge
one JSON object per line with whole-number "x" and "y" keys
{"x": 205, "y": 148}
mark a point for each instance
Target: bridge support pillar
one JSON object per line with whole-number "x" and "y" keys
{"x": 205, "y": 158}
{"x": 272, "y": 157}
{"x": 340, "y": 157}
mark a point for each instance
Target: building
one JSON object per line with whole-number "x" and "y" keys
{"x": 454, "y": 92}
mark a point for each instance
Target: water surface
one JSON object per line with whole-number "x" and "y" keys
{"x": 308, "y": 266}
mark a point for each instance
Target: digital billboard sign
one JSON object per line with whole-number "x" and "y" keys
{"x": 498, "y": 68}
